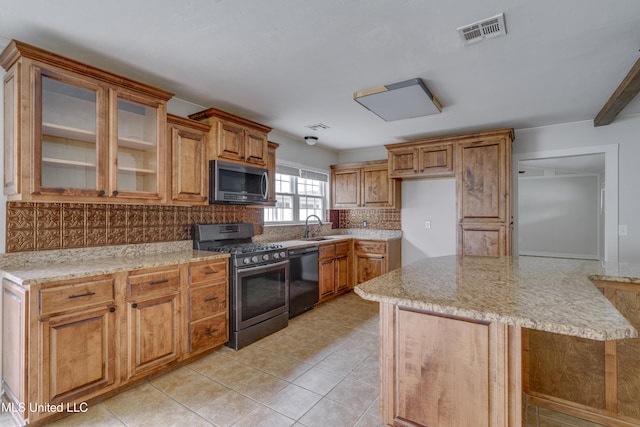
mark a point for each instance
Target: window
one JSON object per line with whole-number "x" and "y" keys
{"x": 299, "y": 193}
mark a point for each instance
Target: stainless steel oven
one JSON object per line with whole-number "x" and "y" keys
{"x": 259, "y": 282}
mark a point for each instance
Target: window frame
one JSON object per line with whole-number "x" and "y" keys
{"x": 296, "y": 196}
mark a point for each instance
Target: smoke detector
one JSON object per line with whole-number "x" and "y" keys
{"x": 484, "y": 29}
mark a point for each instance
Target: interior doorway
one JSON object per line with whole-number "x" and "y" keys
{"x": 565, "y": 203}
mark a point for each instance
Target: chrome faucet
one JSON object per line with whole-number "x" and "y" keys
{"x": 306, "y": 225}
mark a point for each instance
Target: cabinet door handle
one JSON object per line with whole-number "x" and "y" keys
{"x": 134, "y": 305}
{"x": 101, "y": 193}
{"x": 157, "y": 282}
{"x": 212, "y": 272}
{"x": 210, "y": 299}
{"x": 115, "y": 192}
{"x": 211, "y": 331}
{"x": 112, "y": 309}
{"x": 88, "y": 294}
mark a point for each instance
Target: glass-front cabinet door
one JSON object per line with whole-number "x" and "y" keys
{"x": 68, "y": 154}
{"x": 137, "y": 146}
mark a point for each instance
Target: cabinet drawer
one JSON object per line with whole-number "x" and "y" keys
{"x": 207, "y": 300}
{"x": 72, "y": 296}
{"x": 209, "y": 272}
{"x": 208, "y": 333}
{"x": 327, "y": 251}
{"x": 342, "y": 249}
{"x": 153, "y": 283}
{"x": 370, "y": 247}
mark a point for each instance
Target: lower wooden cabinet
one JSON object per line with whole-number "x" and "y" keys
{"x": 334, "y": 272}
{"x": 374, "y": 258}
{"x": 73, "y": 341}
{"x": 78, "y": 355}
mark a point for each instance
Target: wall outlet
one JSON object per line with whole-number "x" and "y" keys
{"x": 427, "y": 224}
{"x": 623, "y": 230}
{"x": 364, "y": 224}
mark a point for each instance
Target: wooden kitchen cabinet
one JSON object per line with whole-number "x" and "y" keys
{"x": 154, "y": 324}
{"x": 373, "y": 258}
{"x": 334, "y": 269}
{"x": 363, "y": 185}
{"x": 75, "y": 132}
{"x": 208, "y": 318}
{"x": 481, "y": 165}
{"x": 483, "y": 186}
{"x": 234, "y": 138}
{"x": 271, "y": 167}
{"x": 189, "y": 166}
{"x": 594, "y": 380}
{"x": 420, "y": 160}
{"x": 74, "y": 341}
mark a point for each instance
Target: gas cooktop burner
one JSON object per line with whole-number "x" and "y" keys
{"x": 245, "y": 248}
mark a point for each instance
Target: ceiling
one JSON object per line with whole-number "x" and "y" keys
{"x": 288, "y": 64}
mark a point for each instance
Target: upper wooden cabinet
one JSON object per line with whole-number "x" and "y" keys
{"x": 363, "y": 185}
{"x": 188, "y": 142}
{"x": 73, "y": 131}
{"x": 271, "y": 167}
{"x": 235, "y": 139}
{"x": 419, "y": 160}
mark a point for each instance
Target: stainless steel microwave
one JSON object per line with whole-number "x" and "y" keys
{"x": 236, "y": 183}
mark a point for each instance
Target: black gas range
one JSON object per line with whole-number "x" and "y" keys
{"x": 259, "y": 282}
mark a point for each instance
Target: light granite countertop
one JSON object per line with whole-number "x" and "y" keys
{"x": 548, "y": 294}
{"x": 32, "y": 269}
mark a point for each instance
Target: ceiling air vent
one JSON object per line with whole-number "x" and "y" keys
{"x": 481, "y": 30}
{"x": 317, "y": 126}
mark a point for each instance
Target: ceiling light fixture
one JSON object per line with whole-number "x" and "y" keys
{"x": 311, "y": 140}
{"x": 404, "y": 100}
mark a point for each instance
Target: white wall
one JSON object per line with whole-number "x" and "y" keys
{"x": 624, "y": 131}
{"x": 363, "y": 155}
{"x": 428, "y": 200}
{"x": 559, "y": 216}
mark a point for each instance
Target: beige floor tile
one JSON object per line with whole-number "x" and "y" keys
{"x": 354, "y": 394}
{"x": 260, "y": 387}
{"x": 369, "y": 421}
{"x": 96, "y": 415}
{"x": 293, "y": 401}
{"x": 272, "y": 363}
{"x": 366, "y": 372}
{"x": 227, "y": 409}
{"x": 147, "y": 406}
{"x": 192, "y": 390}
{"x": 264, "y": 417}
{"x": 338, "y": 365}
{"x": 374, "y": 408}
{"x": 330, "y": 413}
{"x": 318, "y": 381}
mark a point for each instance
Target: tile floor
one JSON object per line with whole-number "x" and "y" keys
{"x": 322, "y": 370}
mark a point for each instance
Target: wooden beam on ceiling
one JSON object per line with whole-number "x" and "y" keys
{"x": 623, "y": 95}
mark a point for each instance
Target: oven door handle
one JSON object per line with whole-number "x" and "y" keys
{"x": 262, "y": 267}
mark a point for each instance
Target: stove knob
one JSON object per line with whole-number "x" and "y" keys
{"x": 246, "y": 261}
{"x": 276, "y": 255}
{"x": 283, "y": 255}
{"x": 254, "y": 259}
{"x": 265, "y": 257}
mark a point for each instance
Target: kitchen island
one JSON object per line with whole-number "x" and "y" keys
{"x": 451, "y": 331}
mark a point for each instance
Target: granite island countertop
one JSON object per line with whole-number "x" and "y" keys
{"x": 32, "y": 269}
{"x": 548, "y": 294}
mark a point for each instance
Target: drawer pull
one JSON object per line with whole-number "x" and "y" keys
{"x": 88, "y": 294}
{"x": 212, "y": 272}
{"x": 210, "y": 299}
{"x": 157, "y": 282}
{"x": 211, "y": 331}
{"x": 112, "y": 309}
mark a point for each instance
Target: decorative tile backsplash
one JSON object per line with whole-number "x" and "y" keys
{"x": 41, "y": 226}
{"x": 377, "y": 219}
